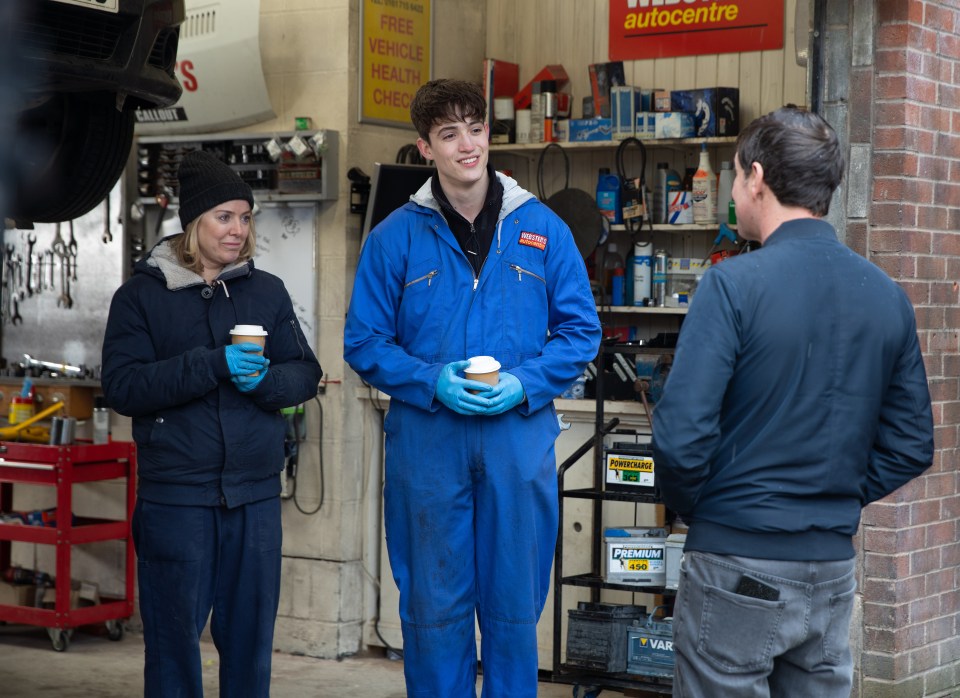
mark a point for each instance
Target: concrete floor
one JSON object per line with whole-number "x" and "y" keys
{"x": 95, "y": 667}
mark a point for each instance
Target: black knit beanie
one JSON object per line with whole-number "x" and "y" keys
{"x": 206, "y": 182}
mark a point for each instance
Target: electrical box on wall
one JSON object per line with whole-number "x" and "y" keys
{"x": 286, "y": 166}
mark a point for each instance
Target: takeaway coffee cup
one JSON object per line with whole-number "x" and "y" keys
{"x": 485, "y": 369}
{"x": 249, "y": 333}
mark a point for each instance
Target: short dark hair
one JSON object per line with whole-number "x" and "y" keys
{"x": 444, "y": 100}
{"x": 801, "y": 156}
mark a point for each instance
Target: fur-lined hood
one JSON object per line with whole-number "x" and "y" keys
{"x": 163, "y": 261}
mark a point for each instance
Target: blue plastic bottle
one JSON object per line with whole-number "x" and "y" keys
{"x": 608, "y": 196}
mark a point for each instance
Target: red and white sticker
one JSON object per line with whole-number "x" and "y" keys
{"x": 533, "y": 240}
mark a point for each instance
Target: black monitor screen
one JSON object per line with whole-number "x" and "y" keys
{"x": 391, "y": 187}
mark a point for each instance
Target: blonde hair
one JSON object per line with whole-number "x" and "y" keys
{"x": 187, "y": 248}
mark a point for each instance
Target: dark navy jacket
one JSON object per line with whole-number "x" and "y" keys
{"x": 798, "y": 395}
{"x": 200, "y": 441}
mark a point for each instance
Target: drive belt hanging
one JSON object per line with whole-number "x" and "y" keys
{"x": 632, "y": 192}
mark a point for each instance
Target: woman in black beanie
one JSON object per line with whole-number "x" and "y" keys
{"x": 209, "y": 433}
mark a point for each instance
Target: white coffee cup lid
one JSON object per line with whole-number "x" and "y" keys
{"x": 249, "y": 330}
{"x": 482, "y": 364}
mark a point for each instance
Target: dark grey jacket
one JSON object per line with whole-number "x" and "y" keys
{"x": 199, "y": 440}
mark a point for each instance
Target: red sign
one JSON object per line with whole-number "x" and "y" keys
{"x": 642, "y": 29}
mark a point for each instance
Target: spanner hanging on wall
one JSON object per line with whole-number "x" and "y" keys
{"x": 72, "y": 251}
{"x": 31, "y": 241}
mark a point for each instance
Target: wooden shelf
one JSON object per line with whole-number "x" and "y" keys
{"x": 524, "y": 148}
{"x": 670, "y": 228}
{"x": 640, "y": 310}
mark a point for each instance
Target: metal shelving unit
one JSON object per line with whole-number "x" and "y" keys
{"x": 586, "y": 682}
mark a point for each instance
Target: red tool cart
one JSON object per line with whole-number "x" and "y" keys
{"x": 62, "y": 467}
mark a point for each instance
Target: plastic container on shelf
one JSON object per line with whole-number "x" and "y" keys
{"x": 642, "y": 271}
{"x": 667, "y": 180}
{"x": 617, "y": 290}
{"x": 704, "y": 190}
{"x": 628, "y": 280}
{"x": 608, "y": 196}
{"x": 725, "y": 191}
{"x": 101, "y": 420}
{"x": 613, "y": 267}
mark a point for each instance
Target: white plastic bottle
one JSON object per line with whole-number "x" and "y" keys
{"x": 704, "y": 190}
{"x": 724, "y": 190}
{"x": 642, "y": 271}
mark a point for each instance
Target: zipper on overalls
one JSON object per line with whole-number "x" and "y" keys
{"x": 428, "y": 277}
{"x": 521, "y": 271}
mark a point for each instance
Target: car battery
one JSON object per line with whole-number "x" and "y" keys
{"x": 650, "y": 647}
{"x": 630, "y": 468}
{"x": 673, "y": 550}
{"x": 636, "y": 556}
{"x": 595, "y": 635}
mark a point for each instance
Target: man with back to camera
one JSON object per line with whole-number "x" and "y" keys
{"x": 798, "y": 395}
{"x": 473, "y": 265}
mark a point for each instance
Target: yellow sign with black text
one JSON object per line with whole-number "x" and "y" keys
{"x": 396, "y": 58}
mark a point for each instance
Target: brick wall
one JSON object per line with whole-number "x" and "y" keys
{"x": 905, "y": 104}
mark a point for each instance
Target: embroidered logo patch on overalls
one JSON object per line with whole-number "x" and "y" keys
{"x": 533, "y": 240}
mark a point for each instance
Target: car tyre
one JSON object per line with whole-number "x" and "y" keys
{"x": 70, "y": 151}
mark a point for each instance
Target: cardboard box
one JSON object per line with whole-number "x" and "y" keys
{"x": 500, "y": 79}
{"x": 603, "y": 76}
{"x": 624, "y": 103}
{"x": 581, "y": 130}
{"x": 674, "y": 124}
{"x": 646, "y": 126}
{"x": 81, "y": 594}
{"x": 17, "y": 594}
{"x": 49, "y": 598}
{"x": 661, "y": 100}
{"x": 550, "y": 72}
{"x": 716, "y": 110}
{"x": 647, "y": 102}
{"x": 683, "y": 277}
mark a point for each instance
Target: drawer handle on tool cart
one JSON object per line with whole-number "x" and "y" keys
{"x": 4, "y": 463}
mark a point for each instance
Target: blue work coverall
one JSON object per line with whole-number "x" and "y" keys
{"x": 471, "y": 501}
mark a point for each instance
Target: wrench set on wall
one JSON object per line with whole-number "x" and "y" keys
{"x": 29, "y": 271}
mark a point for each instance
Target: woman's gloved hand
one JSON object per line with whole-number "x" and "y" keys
{"x": 505, "y": 395}
{"x": 247, "y": 383}
{"x": 453, "y": 391}
{"x": 244, "y": 358}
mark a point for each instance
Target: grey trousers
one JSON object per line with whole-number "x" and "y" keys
{"x": 736, "y": 646}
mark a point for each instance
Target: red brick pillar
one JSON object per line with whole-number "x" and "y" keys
{"x": 906, "y": 105}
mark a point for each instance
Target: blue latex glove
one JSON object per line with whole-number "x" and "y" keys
{"x": 453, "y": 391}
{"x": 247, "y": 383}
{"x": 505, "y": 395}
{"x": 244, "y": 359}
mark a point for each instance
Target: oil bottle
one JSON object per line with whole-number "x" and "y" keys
{"x": 704, "y": 190}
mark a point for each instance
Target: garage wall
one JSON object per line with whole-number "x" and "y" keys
{"x": 310, "y": 54}
{"x": 891, "y": 77}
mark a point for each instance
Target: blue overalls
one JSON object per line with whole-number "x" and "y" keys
{"x": 470, "y": 503}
